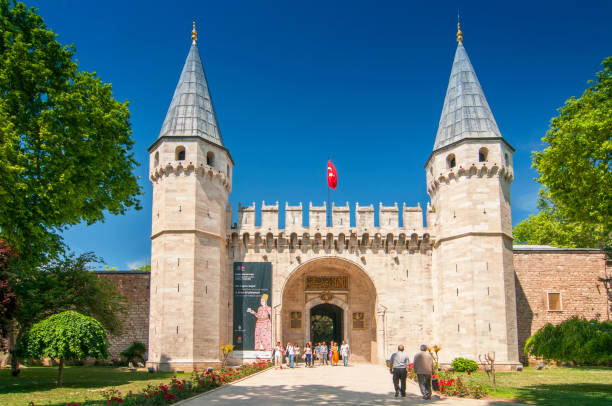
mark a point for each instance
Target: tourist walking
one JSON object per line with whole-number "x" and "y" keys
{"x": 424, "y": 368}
{"x": 398, "y": 363}
{"x": 278, "y": 354}
{"x": 324, "y": 353}
{"x": 297, "y": 352}
{"x": 335, "y": 353}
{"x": 291, "y": 355}
{"x": 308, "y": 355}
{"x": 344, "y": 350}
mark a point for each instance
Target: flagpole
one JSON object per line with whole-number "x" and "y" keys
{"x": 328, "y": 197}
{"x": 328, "y": 207}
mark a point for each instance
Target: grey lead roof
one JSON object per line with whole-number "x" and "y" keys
{"x": 466, "y": 113}
{"x": 191, "y": 111}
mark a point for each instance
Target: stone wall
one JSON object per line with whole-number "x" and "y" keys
{"x": 135, "y": 286}
{"x": 574, "y": 273}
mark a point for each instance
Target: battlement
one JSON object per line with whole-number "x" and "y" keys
{"x": 316, "y": 218}
{"x": 477, "y": 169}
{"x": 182, "y": 168}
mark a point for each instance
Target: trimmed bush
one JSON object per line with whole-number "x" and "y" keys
{"x": 578, "y": 340}
{"x": 464, "y": 365}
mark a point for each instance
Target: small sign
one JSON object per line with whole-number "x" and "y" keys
{"x": 327, "y": 282}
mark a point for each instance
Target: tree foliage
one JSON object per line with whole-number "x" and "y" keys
{"x": 548, "y": 227}
{"x": 67, "y": 283}
{"x": 578, "y": 340}
{"x": 66, "y": 142}
{"x": 575, "y": 166}
{"x": 67, "y": 336}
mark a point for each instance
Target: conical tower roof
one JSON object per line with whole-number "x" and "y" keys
{"x": 466, "y": 113}
{"x": 191, "y": 111}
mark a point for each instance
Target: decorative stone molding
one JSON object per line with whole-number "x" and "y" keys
{"x": 181, "y": 168}
{"x": 479, "y": 169}
{"x": 336, "y": 240}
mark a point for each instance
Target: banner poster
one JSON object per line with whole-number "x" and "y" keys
{"x": 252, "y": 309}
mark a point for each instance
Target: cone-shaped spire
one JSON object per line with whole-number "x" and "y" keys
{"x": 191, "y": 111}
{"x": 466, "y": 113}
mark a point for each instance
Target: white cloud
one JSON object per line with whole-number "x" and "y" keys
{"x": 137, "y": 263}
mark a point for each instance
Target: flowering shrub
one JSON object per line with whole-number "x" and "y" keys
{"x": 451, "y": 384}
{"x": 178, "y": 389}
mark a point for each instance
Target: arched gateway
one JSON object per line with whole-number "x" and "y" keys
{"x": 335, "y": 289}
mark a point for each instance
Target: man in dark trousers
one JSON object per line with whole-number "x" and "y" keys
{"x": 424, "y": 368}
{"x": 398, "y": 364}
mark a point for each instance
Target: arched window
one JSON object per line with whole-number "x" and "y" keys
{"x": 507, "y": 158}
{"x": 482, "y": 154}
{"x": 157, "y": 158}
{"x": 180, "y": 153}
{"x": 210, "y": 158}
{"x": 450, "y": 160}
{"x": 227, "y": 173}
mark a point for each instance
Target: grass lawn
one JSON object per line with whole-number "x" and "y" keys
{"x": 582, "y": 386}
{"x": 81, "y": 384}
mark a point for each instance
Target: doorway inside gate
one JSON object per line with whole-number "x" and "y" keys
{"x": 326, "y": 323}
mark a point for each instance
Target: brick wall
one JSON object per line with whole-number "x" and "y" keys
{"x": 572, "y": 273}
{"x": 135, "y": 286}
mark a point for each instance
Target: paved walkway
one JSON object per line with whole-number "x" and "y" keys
{"x": 361, "y": 384}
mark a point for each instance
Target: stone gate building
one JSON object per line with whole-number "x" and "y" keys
{"x": 450, "y": 281}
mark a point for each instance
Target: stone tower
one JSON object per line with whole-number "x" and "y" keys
{"x": 468, "y": 180}
{"x": 191, "y": 172}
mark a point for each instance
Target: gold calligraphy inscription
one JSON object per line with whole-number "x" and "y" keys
{"x": 327, "y": 282}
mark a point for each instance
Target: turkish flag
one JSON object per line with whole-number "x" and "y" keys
{"x": 332, "y": 175}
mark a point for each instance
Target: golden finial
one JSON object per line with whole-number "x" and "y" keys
{"x": 194, "y": 34}
{"x": 459, "y": 33}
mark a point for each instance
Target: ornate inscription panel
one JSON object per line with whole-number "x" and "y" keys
{"x": 327, "y": 283}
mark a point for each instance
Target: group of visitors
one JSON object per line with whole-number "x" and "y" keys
{"x": 423, "y": 367}
{"x": 325, "y": 354}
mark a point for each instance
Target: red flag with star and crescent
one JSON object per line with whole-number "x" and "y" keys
{"x": 332, "y": 175}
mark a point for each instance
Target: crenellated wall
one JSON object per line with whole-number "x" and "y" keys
{"x": 387, "y": 218}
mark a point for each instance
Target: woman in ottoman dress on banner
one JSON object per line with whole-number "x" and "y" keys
{"x": 263, "y": 325}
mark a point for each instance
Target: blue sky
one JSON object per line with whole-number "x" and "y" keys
{"x": 360, "y": 81}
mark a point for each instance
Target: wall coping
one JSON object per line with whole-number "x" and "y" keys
{"x": 549, "y": 248}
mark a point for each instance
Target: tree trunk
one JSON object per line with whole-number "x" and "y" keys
{"x": 60, "y": 376}
{"x": 12, "y": 348}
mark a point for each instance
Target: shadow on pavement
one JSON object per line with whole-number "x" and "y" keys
{"x": 314, "y": 395}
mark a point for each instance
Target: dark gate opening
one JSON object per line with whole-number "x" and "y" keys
{"x": 326, "y": 323}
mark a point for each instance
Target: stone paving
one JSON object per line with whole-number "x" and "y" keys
{"x": 360, "y": 384}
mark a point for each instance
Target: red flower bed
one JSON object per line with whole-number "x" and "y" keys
{"x": 178, "y": 389}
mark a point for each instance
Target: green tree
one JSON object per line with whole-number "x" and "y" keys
{"x": 575, "y": 340}
{"x": 66, "y": 283}
{"x": 548, "y": 227}
{"x": 67, "y": 336}
{"x": 66, "y": 142}
{"x": 575, "y": 167}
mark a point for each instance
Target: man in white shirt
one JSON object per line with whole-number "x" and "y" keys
{"x": 344, "y": 350}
